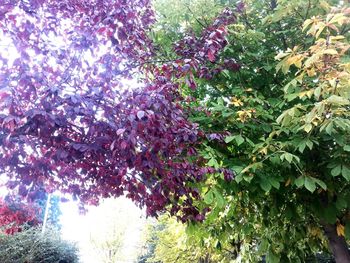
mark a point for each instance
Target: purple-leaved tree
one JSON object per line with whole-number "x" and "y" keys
{"x": 68, "y": 123}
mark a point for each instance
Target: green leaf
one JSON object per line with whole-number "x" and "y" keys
{"x": 329, "y": 128}
{"x": 247, "y": 178}
{"x": 227, "y": 114}
{"x": 308, "y": 127}
{"x": 288, "y": 157}
{"x": 341, "y": 203}
{"x": 321, "y": 183}
{"x": 332, "y": 165}
{"x": 190, "y": 229}
{"x": 309, "y": 144}
{"x": 263, "y": 246}
{"x": 220, "y": 201}
{"x": 271, "y": 257}
{"x": 280, "y": 118}
{"x": 345, "y": 171}
{"x": 334, "y": 99}
{"x": 301, "y": 147}
{"x": 229, "y": 139}
{"x": 247, "y": 229}
{"x": 347, "y": 148}
{"x": 275, "y": 159}
{"x": 336, "y": 170}
{"x": 239, "y": 140}
{"x": 251, "y": 143}
{"x": 299, "y": 182}
{"x": 274, "y": 182}
{"x": 213, "y": 163}
{"x": 265, "y": 185}
{"x": 209, "y": 197}
{"x": 239, "y": 178}
{"x": 310, "y": 184}
{"x": 317, "y": 92}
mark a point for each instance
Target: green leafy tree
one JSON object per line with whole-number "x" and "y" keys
{"x": 166, "y": 241}
{"x": 282, "y": 124}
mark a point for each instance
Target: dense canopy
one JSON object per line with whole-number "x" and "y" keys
{"x": 234, "y": 114}
{"x": 70, "y": 122}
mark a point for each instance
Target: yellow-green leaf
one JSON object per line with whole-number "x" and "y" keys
{"x": 307, "y": 23}
{"x": 308, "y": 127}
{"x": 334, "y": 99}
{"x": 281, "y": 55}
{"x": 209, "y": 197}
{"x": 330, "y": 52}
{"x": 317, "y": 92}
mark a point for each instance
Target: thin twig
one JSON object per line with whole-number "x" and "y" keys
{"x": 199, "y": 22}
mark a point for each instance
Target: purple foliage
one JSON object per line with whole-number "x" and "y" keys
{"x": 66, "y": 121}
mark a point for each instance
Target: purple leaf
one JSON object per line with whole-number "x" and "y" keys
{"x": 120, "y": 131}
{"x": 140, "y": 114}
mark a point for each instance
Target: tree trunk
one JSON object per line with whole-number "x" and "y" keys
{"x": 337, "y": 244}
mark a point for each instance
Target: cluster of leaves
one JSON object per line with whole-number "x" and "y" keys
{"x": 45, "y": 103}
{"x": 14, "y": 214}
{"x": 67, "y": 123}
{"x": 31, "y": 246}
{"x": 166, "y": 241}
{"x": 199, "y": 51}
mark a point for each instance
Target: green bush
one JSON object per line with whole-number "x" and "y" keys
{"x": 31, "y": 246}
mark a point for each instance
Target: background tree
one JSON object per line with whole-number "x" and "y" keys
{"x": 166, "y": 241}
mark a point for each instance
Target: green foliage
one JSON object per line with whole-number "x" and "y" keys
{"x": 31, "y": 246}
{"x": 286, "y": 113}
{"x": 179, "y": 17}
{"x": 166, "y": 241}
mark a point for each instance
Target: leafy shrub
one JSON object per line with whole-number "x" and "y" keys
{"x": 31, "y": 246}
